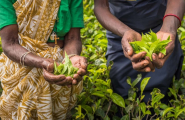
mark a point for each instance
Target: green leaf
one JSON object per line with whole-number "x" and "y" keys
{"x": 99, "y": 94}
{"x": 100, "y": 112}
{"x": 106, "y": 118}
{"x": 157, "y": 98}
{"x": 179, "y": 112}
{"x": 167, "y": 110}
{"x": 129, "y": 108}
{"x": 117, "y": 99}
{"x": 163, "y": 106}
{"x": 129, "y": 81}
{"x": 137, "y": 80}
{"x": 110, "y": 91}
{"x": 148, "y": 112}
{"x": 163, "y": 51}
{"x": 143, "y": 107}
{"x": 142, "y": 97}
{"x": 87, "y": 108}
{"x": 115, "y": 118}
{"x": 79, "y": 112}
{"x": 55, "y": 68}
{"x": 173, "y": 92}
{"x": 125, "y": 117}
{"x": 90, "y": 116}
{"x": 144, "y": 82}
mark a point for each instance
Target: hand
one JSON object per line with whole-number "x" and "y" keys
{"x": 48, "y": 68}
{"x": 159, "y": 60}
{"x": 138, "y": 63}
{"x": 81, "y": 63}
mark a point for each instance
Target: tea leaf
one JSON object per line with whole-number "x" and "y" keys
{"x": 144, "y": 82}
{"x": 137, "y": 80}
{"x": 117, "y": 99}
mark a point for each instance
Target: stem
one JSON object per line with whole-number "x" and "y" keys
{"x": 129, "y": 115}
{"x": 122, "y": 111}
{"x": 152, "y": 116}
{"x": 148, "y": 109}
{"x": 110, "y": 103}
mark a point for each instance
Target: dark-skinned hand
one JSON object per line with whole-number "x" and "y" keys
{"x": 48, "y": 68}
{"x": 81, "y": 63}
{"x": 138, "y": 62}
{"x": 159, "y": 60}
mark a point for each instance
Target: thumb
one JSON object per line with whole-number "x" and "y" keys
{"x": 48, "y": 66}
{"x": 127, "y": 47}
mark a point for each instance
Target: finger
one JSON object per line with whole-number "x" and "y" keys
{"x": 137, "y": 57}
{"x": 82, "y": 72}
{"x": 170, "y": 48}
{"x": 67, "y": 81}
{"x": 158, "y": 63}
{"x": 77, "y": 77}
{"x": 140, "y": 65}
{"x": 83, "y": 63}
{"x": 51, "y": 77}
{"x": 146, "y": 69}
{"x": 150, "y": 65}
{"x": 161, "y": 55}
{"x": 127, "y": 47}
{"x": 74, "y": 82}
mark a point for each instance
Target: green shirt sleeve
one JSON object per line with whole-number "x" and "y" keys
{"x": 7, "y": 13}
{"x": 76, "y": 8}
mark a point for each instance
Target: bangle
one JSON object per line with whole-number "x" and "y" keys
{"x": 22, "y": 58}
{"x": 174, "y": 16}
{"x": 72, "y": 55}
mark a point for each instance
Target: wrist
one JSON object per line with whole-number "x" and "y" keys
{"x": 170, "y": 25}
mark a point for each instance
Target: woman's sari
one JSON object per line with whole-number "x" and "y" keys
{"x": 26, "y": 94}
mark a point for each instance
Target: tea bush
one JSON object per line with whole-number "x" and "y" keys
{"x": 98, "y": 101}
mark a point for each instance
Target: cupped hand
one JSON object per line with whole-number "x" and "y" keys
{"x": 160, "y": 59}
{"x": 81, "y": 63}
{"x": 48, "y": 68}
{"x": 139, "y": 62}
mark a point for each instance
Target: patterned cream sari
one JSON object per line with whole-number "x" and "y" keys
{"x": 26, "y": 95}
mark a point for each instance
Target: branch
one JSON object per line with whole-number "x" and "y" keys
{"x": 110, "y": 103}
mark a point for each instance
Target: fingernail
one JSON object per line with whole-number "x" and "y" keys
{"x": 128, "y": 51}
{"x": 154, "y": 57}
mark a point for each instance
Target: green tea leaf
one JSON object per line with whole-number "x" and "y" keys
{"x": 150, "y": 44}
{"x": 144, "y": 82}
{"x": 167, "y": 110}
{"x": 55, "y": 68}
{"x": 137, "y": 80}
{"x": 87, "y": 108}
{"x": 66, "y": 69}
{"x": 143, "y": 107}
{"x": 117, "y": 99}
{"x": 125, "y": 117}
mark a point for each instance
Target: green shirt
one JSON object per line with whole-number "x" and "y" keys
{"x": 70, "y": 15}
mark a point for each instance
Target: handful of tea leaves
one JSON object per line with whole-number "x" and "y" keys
{"x": 150, "y": 44}
{"x": 66, "y": 69}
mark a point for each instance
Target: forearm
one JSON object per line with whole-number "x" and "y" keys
{"x": 72, "y": 42}
{"x": 107, "y": 20}
{"x": 13, "y": 50}
{"x": 171, "y": 23}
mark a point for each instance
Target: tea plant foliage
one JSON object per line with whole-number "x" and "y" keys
{"x": 98, "y": 101}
